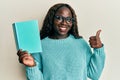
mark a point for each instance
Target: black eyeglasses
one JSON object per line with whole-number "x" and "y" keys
{"x": 67, "y": 19}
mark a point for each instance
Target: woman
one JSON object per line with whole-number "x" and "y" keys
{"x": 66, "y": 55}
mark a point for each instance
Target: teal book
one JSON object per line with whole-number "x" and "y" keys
{"x": 27, "y": 36}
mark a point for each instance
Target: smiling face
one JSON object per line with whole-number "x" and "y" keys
{"x": 62, "y": 23}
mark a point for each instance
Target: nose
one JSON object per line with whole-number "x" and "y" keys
{"x": 64, "y": 21}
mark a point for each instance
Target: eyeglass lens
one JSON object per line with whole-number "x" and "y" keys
{"x": 67, "y": 19}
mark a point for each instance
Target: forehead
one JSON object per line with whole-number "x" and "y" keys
{"x": 64, "y": 11}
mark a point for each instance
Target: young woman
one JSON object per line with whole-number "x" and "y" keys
{"x": 66, "y": 55}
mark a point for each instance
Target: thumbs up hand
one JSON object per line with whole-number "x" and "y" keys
{"x": 95, "y": 41}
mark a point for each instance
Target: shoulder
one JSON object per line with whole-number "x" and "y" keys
{"x": 83, "y": 42}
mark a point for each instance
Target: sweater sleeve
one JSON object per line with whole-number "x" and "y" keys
{"x": 96, "y": 61}
{"x": 35, "y": 73}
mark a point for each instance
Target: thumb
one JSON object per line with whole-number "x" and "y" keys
{"x": 98, "y": 33}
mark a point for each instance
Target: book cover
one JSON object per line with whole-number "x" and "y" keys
{"x": 27, "y": 36}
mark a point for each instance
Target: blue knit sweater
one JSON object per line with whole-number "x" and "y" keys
{"x": 67, "y": 59}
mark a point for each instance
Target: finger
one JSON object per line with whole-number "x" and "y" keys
{"x": 98, "y": 33}
{"x": 22, "y": 53}
{"x": 19, "y": 51}
{"x": 29, "y": 62}
{"x": 25, "y": 55}
{"x": 92, "y": 43}
{"x": 25, "y": 59}
{"x": 92, "y": 38}
{"x": 22, "y": 57}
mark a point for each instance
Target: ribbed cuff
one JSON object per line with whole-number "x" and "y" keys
{"x": 33, "y": 73}
{"x": 99, "y": 51}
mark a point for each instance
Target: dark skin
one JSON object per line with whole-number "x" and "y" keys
{"x": 61, "y": 29}
{"x": 95, "y": 41}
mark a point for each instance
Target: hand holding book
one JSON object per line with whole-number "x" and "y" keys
{"x": 25, "y": 58}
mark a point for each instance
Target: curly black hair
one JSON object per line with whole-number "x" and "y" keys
{"x": 47, "y": 27}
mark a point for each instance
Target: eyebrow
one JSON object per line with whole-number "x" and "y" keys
{"x": 65, "y": 17}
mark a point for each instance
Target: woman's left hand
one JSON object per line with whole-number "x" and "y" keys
{"x": 95, "y": 41}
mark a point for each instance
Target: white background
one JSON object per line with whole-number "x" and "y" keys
{"x": 92, "y": 15}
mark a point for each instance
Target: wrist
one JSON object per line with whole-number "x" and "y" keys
{"x": 101, "y": 45}
{"x": 34, "y": 64}
{"x": 30, "y": 65}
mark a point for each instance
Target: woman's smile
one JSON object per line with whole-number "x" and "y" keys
{"x": 63, "y": 29}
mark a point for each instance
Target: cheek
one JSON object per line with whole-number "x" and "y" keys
{"x": 70, "y": 26}
{"x": 55, "y": 23}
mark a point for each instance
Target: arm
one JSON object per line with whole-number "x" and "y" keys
{"x": 32, "y": 63}
{"x": 35, "y": 72}
{"x": 97, "y": 59}
{"x": 96, "y": 63}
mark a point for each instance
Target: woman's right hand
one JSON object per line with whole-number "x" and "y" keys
{"x": 25, "y": 58}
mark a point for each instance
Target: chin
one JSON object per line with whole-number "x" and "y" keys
{"x": 63, "y": 34}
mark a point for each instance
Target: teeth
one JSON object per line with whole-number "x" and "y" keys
{"x": 63, "y": 28}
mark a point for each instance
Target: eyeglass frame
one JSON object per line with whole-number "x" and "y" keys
{"x": 66, "y": 19}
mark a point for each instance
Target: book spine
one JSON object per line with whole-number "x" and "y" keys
{"x": 15, "y": 36}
